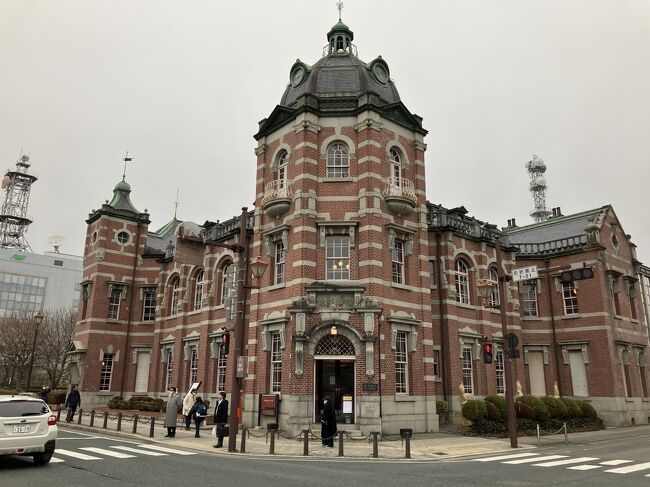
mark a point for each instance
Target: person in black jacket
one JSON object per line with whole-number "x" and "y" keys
{"x": 72, "y": 402}
{"x": 221, "y": 418}
{"x": 328, "y": 423}
{"x": 198, "y": 411}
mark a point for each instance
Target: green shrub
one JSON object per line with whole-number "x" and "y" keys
{"x": 524, "y": 411}
{"x": 526, "y": 426}
{"x": 442, "y": 407}
{"x": 493, "y": 412}
{"x": 487, "y": 427}
{"x": 587, "y": 410}
{"x": 556, "y": 408}
{"x": 474, "y": 409}
{"x": 500, "y": 403}
{"x": 541, "y": 411}
{"x": 573, "y": 410}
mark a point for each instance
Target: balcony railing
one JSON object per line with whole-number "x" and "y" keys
{"x": 401, "y": 188}
{"x": 275, "y": 190}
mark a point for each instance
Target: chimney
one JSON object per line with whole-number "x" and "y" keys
{"x": 512, "y": 224}
{"x": 558, "y": 211}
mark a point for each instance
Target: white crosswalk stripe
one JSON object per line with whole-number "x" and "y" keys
{"x": 584, "y": 467}
{"x": 56, "y": 460}
{"x": 165, "y": 449}
{"x": 615, "y": 462}
{"x": 535, "y": 459}
{"x": 75, "y": 454}
{"x": 108, "y": 453}
{"x": 630, "y": 468}
{"x": 138, "y": 450}
{"x": 506, "y": 457}
{"x": 567, "y": 461}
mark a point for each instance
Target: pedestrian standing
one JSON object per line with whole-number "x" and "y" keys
{"x": 188, "y": 402}
{"x": 199, "y": 411}
{"x": 44, "y": 393}
{"x": 328, "y": 423}
{"x": 221, "y": 418}
{"x": 72, "y": 402}
{"x": 174, "y": 406}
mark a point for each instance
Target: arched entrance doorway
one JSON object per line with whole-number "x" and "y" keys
{"x": 334, "y": 372}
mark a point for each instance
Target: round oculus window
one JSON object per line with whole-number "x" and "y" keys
{"x": 297, "y": 75}
{"x": 380, "y": 72}
{"x": 123, "y": 237}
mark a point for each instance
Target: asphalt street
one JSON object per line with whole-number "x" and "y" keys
{"x": 99, "y": 461}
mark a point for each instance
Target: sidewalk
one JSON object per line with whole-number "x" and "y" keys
{"x": 430, "y": 446}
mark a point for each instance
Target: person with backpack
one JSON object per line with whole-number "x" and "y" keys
{"x": 198, "y": 411}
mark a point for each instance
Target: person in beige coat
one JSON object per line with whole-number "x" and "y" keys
{"x": 174, "y": 405}
{"x": 188, "y": 402}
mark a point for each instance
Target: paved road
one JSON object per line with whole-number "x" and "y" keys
{"x": 101, "y": 461}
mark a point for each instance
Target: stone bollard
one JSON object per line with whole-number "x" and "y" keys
{"x": 105, "y": 420}
{"x": 119, "y": 421}
{"x": 81, "y": 412}
{"x": 305, "y": 442}
{"x": 135, "y": 424}
{"x": 375, "y": 447}
{"x": 272, "y": 444}
{"x": 244, "y": 432}
{"x": 153, "y": 424}
{"x": 341, "y": 443}
{"x": 92, "y": 418}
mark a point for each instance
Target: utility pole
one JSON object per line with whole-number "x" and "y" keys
{"x": 38, "y": 317}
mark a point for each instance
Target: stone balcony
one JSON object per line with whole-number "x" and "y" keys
{"x": 277, "y": 197}
{"x": 399, "y": 194}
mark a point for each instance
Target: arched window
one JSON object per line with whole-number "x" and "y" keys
{"x": 395, "y": 158}
{"x": 334, "y": 345}
{"x": 225, "y": 285}
{"x": 494, "y": 293}
{"x": 338, "y": 161}
{"x": 462, "y": 282}
{"x": 198, "y": 290}
{"x": 282, "y": 163}
{"x": 175, "y": 301}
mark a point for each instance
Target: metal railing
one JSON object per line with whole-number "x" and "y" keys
{"x": 278, "y": 189}
{"x": 400, "y": 187}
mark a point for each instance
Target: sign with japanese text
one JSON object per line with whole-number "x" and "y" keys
{"x": 524, "y": 273}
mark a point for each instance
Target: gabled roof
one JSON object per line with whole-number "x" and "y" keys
{"x": 158, "y": 241}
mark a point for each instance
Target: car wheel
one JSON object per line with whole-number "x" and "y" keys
{"x": 42, "y": 458}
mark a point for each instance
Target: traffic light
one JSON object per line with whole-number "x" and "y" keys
{"x": 487, "y": 353}
{"x": 512, "y": 340}
{"x": 225, "y": 343}
{"x": 576, "y": 275}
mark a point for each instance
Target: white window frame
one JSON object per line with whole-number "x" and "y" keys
{"x": 461, "y": 281}
{"x": 276, "y": 363}
{"x": 467, "y": 370}
{"x": 529, "y": 288}
{"x": 395, "y": 159}
{"x": 570, "y": 298}
{"x": 114, "y": 301}
{"x": 435, "y": 361}
{"x": 169, "y": 368}
{"x": 338, "y": 160}
{"x": 397, "y": 257}
{"x": 278, "y": 262}
{"x": 401, "y": 363}
{"x": 106, "y": 374}
{"x": 149, "y": 304}
{"x": 283, "y": 166}
{"x": 499, "y": 367}
{"x": 175, "y": 307}
{"x": 337, "y": 257}
{"x": 495, "y": 299}
{"x": 222, "y": 364}
{"x": 198, "y": 290}
{"x": 194, "y": 364}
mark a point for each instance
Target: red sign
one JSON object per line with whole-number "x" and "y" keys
{"x": 269, "y": 404}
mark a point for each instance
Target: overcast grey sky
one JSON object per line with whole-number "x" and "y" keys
{"x": 181, "y": 85}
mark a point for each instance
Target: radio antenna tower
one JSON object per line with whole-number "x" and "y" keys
{"x": 536, "y": 169}
{"x": 13, "y": 215}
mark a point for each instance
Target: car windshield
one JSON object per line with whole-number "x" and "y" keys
{"x": 22, "y": 408}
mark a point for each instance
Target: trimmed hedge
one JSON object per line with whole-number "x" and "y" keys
{"x": 587, "y": 410}
{"x": 500, "y": 403}
{"x": 140, "y": 403}
{"x": 527, "y": 427}
{"x": 524, "y": 411}
{"x": 556, "y": 408}
{"x": 573, "y": 409}
{"x": 493, "y": 412}
{"x": 474, "y": 409}
{"x": 541, "y": 411}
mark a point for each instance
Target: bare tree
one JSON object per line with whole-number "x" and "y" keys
{"x": 55, "y": 336}
{"x": 16, "y": 339}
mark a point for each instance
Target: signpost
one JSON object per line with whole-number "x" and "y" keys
{"x": 525, "y": 273}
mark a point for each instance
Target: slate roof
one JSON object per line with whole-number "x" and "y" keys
{"x": 158, "y": 241}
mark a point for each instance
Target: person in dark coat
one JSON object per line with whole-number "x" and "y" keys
{"x": 72, "y": 402}
{"x": 221, "y": 418}
{"x": 198, "y": 411}
{"x": 328, "y": 423}
{"x": 44, "y": 393}
{"x": 174, "y": 405}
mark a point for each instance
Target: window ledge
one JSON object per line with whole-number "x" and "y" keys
{"x": 404, "y": 398}
{"x": 570, "y": 317}
{"x": 634, "y": 320}
{"x": 105, "y": 393}
{"x": 194, "y": 312}
{"x": 629, "y": 399}
{"x": 437, "y": 379}
{"x": 275, "y": 286}
{"x": 465, "y": 305}
{"x": 645, "y": 399}
{"x": 530, "y": 318}
{"x": 618, "y": 317}
{"x": 338, "y": 180}
{"x": 400, "y": 286}
{"x": 113, "y": 320}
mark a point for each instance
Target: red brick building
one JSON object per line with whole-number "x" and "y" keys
{"x": 370, "y": 296}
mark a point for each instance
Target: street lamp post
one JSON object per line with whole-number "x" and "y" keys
{"x": 38, "y": 317}
{"x": 484, "y": 289}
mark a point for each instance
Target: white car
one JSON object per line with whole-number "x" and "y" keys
{"x": 27, "y": 427}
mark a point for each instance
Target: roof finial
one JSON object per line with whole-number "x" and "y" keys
{"x": 176, "y": 204}
{"x": 126, "y": 159}
{"x": 339, "y": 6}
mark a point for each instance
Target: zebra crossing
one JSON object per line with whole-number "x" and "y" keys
{"x": 122, "y": 452}
{"x": 621, "y": 467}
